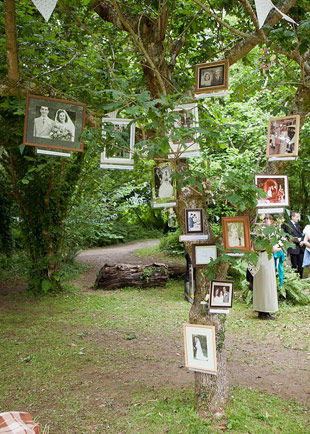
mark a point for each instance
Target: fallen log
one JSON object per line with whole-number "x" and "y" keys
{"x": 122, "y": 275}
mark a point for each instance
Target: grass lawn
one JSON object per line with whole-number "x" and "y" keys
{"x": 112, "y": 362}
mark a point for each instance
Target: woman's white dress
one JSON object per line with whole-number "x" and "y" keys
{"x": 265, "y": 298}
{"x": 199, "y": 354}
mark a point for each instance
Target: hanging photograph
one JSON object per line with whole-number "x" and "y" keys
{"x": 221, "y": 294}
{"x": 200, "y": 347}
{"x": 276, "y": 189}
{"x": 202, "y": 254}
{"x": 121, "y": 137}
{"x": 194, "y": 221}
{"x": 283, "y": 135}
{"x": 163, "y": 188}
{"x": 54, "y": 123}
{"x": 236, "y": 233}
{"x": 183, "y": 140}
{"x": 211, "y": 77}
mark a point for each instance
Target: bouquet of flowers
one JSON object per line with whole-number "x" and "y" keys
{"x": 61, "y": 132}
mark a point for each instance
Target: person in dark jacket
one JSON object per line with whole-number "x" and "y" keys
{"x": 296, "y": 253}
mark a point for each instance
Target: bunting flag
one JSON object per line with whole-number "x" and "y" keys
{"x": 263, "y": 7}
{"x": 45, "y": 7}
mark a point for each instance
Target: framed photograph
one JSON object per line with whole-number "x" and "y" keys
{"x": 221, "y": 294}
{"x": 210, "y": 77}
{"x": 163, "y": 188}
{"x": 54, "y": 123}
{"x": 194, "y": 221}
{"x": 186, "y": 118}
{"x": 283, "y": 135}
{"x": 276, "y": 189}
{"x": 236, "y": 233}
{"x": 202, "y": 254}
{"x": 200, "y": 347}
{"x": 121, "y": 134}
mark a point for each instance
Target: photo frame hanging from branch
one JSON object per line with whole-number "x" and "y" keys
{"x": 121, "y": 135}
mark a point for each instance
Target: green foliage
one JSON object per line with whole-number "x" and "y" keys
{"x": 171, "y": 245}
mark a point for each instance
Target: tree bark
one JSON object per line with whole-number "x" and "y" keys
{"x": 11, "y": 44}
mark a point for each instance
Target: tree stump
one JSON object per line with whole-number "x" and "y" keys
{"x": 121, "y": 275}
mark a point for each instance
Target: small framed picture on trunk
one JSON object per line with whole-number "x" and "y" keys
{"x": 283, "y": 135}
{"x": 194, "y": 221}
{"x": 200, "y": 348}
{"x": 236, "y": 233}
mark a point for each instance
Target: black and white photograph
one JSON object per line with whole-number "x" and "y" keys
{"x": 221, "y": 294}
{"x": 236, "y": 233}
{"x": 283, "y": 135}
{"x": 210, "y": 77}
{"x": 53, "y": 123}
{"x": 194, "y": 221}
{"x": 200, "y": 347}
{"x": 120, "y": 134}
{"x": 163, "y": 188}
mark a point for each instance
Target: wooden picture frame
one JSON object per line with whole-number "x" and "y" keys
{"x": 163, "y": 186}
{"x": 236, "y": 233}
{"x": 193, "y": 221}
{"x": 124, "y": 136}
{"x": 276, "y": 189}
{"x": 54, "y": 123}
{"x": 202, "y": 254}
{"x": 221, "y": 294}
{"x": 210, "y": 77}
{"x": 283, "y": 136}
{"x": 200, "y": 348}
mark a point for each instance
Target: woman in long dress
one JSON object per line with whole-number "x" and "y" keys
{"x": 199, "y": 353}
{"x": 265, "y": 298}
{"x": 63, "y": 128}
{"x": 306, "y": 242}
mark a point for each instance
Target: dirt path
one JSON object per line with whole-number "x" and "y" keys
{"x": 268, "y": 365}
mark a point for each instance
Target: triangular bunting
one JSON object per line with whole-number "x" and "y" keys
{"x": 263, "y": 7}
{"x": 45, "y": 7}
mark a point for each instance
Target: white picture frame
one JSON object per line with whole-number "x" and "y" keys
{"x": 127, "y": 158}
{"x": 188, "y": 117}
{"x": 200, "y": 348}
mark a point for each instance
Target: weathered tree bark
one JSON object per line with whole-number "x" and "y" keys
{"x": 122, "y": 275}
{"x": 10, "y": 34}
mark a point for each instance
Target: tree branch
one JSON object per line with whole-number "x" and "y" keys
{"x": 220, "y": 21}
{"x": 51, "y": 71}
{"x": 11, "y": 43}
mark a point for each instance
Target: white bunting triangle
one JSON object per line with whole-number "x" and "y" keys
{"x": 45, "y": 7}
{"x": 263, "y": 7}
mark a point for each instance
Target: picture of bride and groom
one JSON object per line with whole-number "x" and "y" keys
{"x": 53, "y": 123}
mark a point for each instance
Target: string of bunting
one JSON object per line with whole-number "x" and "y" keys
{"x": 45, "y": 7}
{"x": 263, "y": 7}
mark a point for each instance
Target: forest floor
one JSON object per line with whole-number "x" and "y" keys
{"x": 113, "y": 361}
{"x": 270, "y": 364}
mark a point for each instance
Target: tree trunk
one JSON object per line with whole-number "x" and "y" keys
{"x": 211, "y": 391}
{"x": 10, "y": 34}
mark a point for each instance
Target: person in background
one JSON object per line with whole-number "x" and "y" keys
{"x": 306, "y": 243}
{"x": 296, "y": 253}
{"x": 265, "y": 298}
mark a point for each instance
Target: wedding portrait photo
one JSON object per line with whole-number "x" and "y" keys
{"x": 221, "y": 293}
{"x": 193, "y": 221}
{"x": 53, "y": 123}
{"x": 276, "y": 189}
{"x": 283, "y": 135}
{"x": 210, "y": 77}
{"x": 163, "y": 186}
{"x": 200, "y": 347}
{"x": 236, "y": 233}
